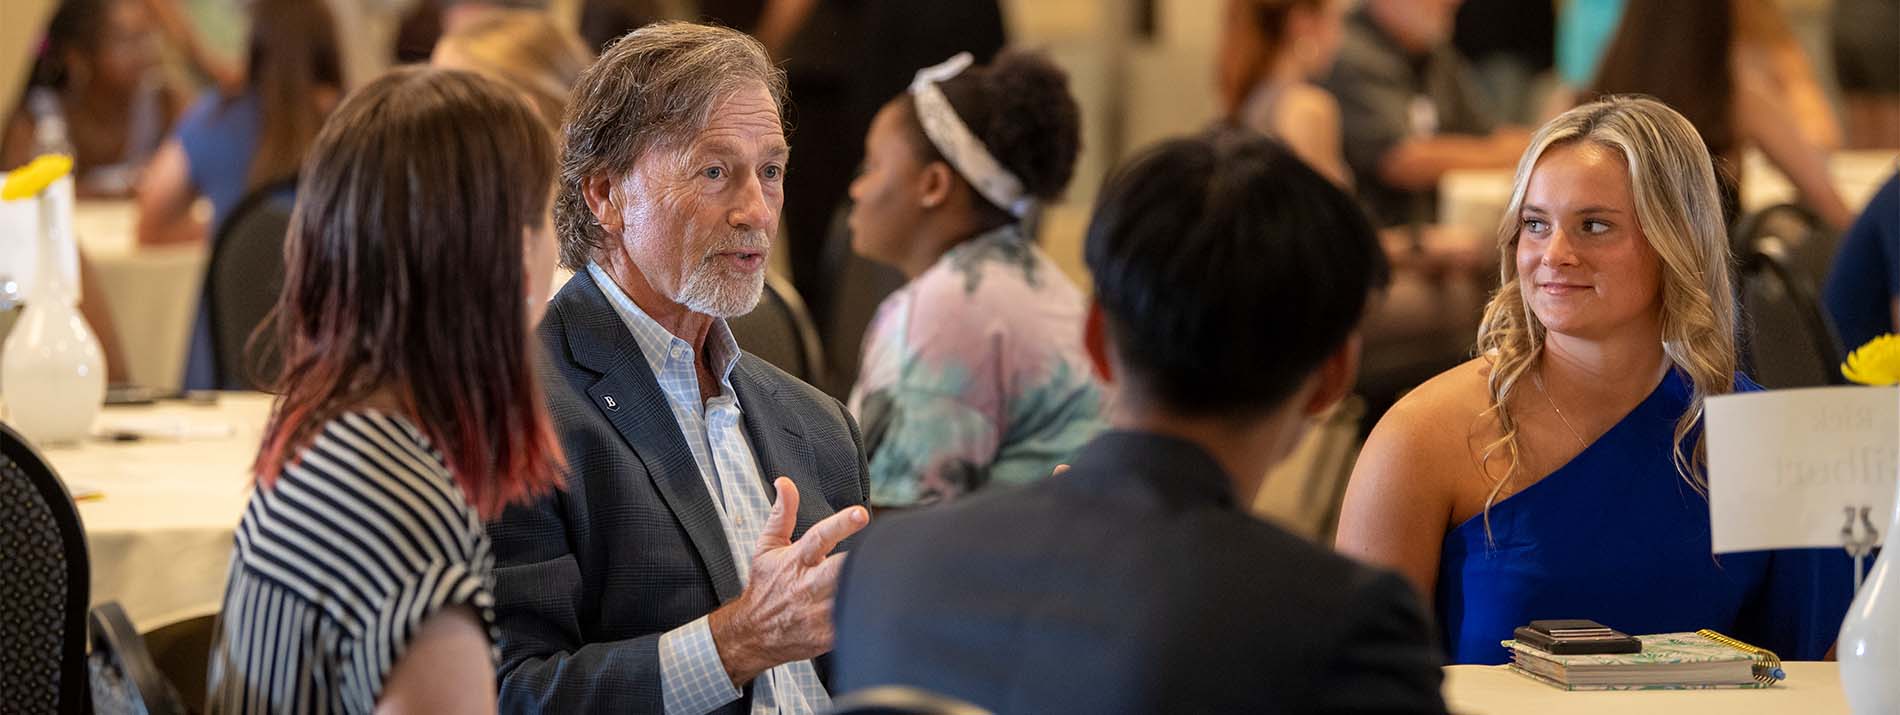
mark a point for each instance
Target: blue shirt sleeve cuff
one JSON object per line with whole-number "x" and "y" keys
{"x": 693, "y": 679}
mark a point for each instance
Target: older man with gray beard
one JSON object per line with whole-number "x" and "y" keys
{"x": 688, "y": 566}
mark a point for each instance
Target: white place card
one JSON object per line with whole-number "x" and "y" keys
{"x": 1785, "y": 464}
{"x": 19, "y": 240}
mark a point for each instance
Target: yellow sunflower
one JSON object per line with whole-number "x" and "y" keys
{"x": 1876, "y": 363}
{"x": 35, "y": 176}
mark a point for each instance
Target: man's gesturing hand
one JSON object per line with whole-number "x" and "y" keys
{"x": 784, "y": 614}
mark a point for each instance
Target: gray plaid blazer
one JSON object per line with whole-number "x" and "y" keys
{"x": 588, "y": 578}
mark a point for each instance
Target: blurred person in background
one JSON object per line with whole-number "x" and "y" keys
{"x": 426, "y": 22}
{"x": 96, "y": 92}
{"x": 1863, "y": 287}
{"x": 603, "y": 21}
{"x": 459, "y": 15}
{"x": 1759, "y": 35}
{"x": 1867, "y": 63}
{"x": 1420, "y": 325}
{"x": 973, "y": 373}
{"x": 1725, "y": 89}
{"x": 1271, "y": 52}
{"x": 1583, "y": 32}
{"x": 1510, "y": 45}
{"x": 525, "y": 49}
{"x": 407, "y": 409}
{"x": 1410, "y": 109}
{"x": 230, "y": 145}
{"x": 1766, "y": 48}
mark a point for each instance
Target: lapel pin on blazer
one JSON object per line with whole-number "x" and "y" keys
{"x": 611, "y": 404}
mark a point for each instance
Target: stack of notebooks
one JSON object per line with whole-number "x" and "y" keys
{"x": 1669, "y": 661}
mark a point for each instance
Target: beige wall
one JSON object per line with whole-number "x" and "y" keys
{"x": 20, "y": 25}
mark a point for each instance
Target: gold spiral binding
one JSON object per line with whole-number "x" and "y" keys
{"x": 1767, "y": 669}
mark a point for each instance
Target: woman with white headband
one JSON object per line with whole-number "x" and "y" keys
{"x": 973, "y": 373}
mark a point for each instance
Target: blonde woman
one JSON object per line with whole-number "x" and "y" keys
{"x": 523, "y": 48}
{"x": 1559, "y": 474}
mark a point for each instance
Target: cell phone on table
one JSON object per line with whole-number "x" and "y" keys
{"x": 129, "y": 394}
{"x": 1576, "y": 636}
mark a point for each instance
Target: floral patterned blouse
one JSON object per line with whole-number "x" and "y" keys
{"x": 974, "y": 374}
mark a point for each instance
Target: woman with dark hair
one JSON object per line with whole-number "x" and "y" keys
{"x": 229, "y": 146}
{"x": 1724, "y": 92}
{"x": 1270, "y": 53}
{"x": 97, "y": 78}
{"x": 973, "y": 372}
{"x": 418, "y": 257}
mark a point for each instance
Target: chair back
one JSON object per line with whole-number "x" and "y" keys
{"x": 1303, "y": 493}
{"x": 242, "y": 283}
{"x": 45, "y": 586}
{"x": 901, "y": 700}
{"x": 125, "y": 680}
{"x": 780, "y": 331}
{"x": 1787, "y": 339}
{"x": 1806, "y": 244}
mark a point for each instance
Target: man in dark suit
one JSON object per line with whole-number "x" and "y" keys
{"x": 1229, "y": 279}
{"x": 666, "y": 576}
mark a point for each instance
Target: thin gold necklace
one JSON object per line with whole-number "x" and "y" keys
{"x": 1538, "y": 378}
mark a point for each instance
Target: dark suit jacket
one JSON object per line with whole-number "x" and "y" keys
{"x": 590, "y": 577}
{"x": 1131, "y": 584}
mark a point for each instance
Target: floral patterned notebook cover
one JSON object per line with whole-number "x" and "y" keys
{"x": 1669, "y": 661}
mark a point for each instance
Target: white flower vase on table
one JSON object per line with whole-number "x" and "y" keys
{"x": 52, "y": 370}
{"x": 1869, "y": 645}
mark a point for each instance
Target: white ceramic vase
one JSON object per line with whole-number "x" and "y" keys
{"x": 53, "y": 372}
{"x": 1869, "y": 646}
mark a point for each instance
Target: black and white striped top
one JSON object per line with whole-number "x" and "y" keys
{"x": 338, "y": 564}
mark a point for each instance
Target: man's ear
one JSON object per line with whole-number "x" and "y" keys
{"x": 1335, "y": 377}
{"x": 598, "y": 191}
{"x": 1095, "y": 341}
{"x": 937, "y": 180}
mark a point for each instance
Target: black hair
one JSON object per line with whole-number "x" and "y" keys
{"x": 1019, "y": 106}
{"x": 76, "y": 25}
{"x": 1228, "y": 271}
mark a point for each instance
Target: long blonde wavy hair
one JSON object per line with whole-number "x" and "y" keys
{"x": 1680, "y": 212}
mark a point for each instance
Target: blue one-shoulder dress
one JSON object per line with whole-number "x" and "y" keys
{"x": 1617, "y": 536}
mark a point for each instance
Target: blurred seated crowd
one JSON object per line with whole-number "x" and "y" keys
{"x": 482, "y": 488}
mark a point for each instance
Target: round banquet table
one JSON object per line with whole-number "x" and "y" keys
{"x": 159, "y": 534}
{"x": 1811, "y": 689}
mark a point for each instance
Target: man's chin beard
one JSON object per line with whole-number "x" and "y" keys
{"x": 710, "y": 292}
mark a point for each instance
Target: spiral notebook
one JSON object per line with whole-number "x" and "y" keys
{"x": 1669, "y": 661}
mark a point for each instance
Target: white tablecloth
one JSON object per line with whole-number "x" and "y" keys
{"x": 151, "y": 293}
{"x": 1811, "y": 689}
{"x": 160, "y": 536}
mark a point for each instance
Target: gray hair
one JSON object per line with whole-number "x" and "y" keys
{"x": 654, "y": 88}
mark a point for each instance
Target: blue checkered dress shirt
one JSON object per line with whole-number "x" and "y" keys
{"x": 692, "y": 678}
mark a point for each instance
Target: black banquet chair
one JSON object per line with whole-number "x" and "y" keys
{"x": 242, "y": 282}
{"x": 44, "y": 593}
{"x": 44, "y": 664}
{"x": 780, "y": 331}
{"x": 1788, "y": 340}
